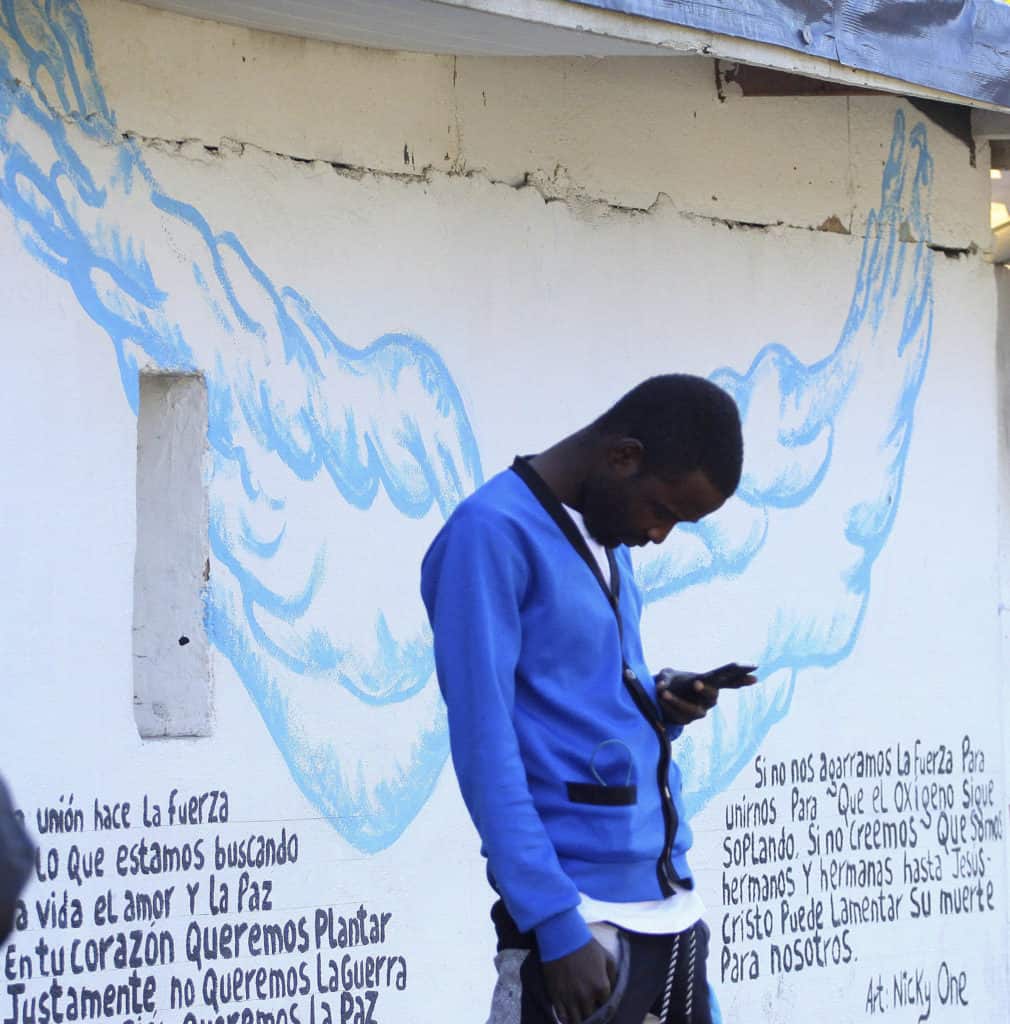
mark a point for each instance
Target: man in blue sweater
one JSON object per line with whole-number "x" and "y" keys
{"x": 561, "y": 738}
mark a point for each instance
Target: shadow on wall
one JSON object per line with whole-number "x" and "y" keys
{"x": 291, "y": 407}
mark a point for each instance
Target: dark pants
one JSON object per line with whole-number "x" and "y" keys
{"x": 666, "y": 977}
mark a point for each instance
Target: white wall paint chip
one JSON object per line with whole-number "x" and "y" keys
{"x": 172, "y": 693}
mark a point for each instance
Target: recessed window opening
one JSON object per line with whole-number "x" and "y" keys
{"x": 171, "y": 657}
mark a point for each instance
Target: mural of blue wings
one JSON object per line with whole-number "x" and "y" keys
{"x": 301, "y": 422}
{"x": 826, "y": 447}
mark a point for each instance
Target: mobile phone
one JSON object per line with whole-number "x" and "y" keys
{"x": 729, "y": 677}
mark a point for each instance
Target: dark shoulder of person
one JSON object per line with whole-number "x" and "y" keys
{"x": 16, "y": 852}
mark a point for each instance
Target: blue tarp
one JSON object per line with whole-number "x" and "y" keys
{"x": 958, "y": 46}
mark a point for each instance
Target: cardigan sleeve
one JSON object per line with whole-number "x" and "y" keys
{"x": 472, "y": 582}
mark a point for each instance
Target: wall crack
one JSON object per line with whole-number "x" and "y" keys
{"x": 551, "y": 188}
{"x": 953, "y": 252}
{"x": 555, "y": 187}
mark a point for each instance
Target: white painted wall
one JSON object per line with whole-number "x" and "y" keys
{"x": 624, "y": 131}
{"x": 559, "y": 231}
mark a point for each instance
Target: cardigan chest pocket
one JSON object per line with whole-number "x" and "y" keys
{"x": 601, "y": 795}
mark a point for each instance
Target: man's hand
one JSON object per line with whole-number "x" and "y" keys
{"x": 580, "y": 983}
{"x": 683, "y": 702}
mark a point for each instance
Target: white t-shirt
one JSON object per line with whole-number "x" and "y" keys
{"x": 676, "y": 912}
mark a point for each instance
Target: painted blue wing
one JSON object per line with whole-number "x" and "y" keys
{"x": 305, "y": 429}
{"x": 302, "y": 429}
{"x": 826, "y": 446}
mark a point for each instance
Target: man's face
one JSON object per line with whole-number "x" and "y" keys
{"x": 636, "y": 508}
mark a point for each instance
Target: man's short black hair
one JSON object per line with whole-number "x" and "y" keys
{"x": 685, "y": 423}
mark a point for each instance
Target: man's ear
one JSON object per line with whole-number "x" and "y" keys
{"x": 624, "y": 456}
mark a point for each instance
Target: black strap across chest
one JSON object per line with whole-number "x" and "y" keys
{"x": 666, "y": 875}
{"x": 529, "y": 476}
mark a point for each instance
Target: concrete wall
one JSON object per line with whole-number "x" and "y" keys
{"x": 392, "y": 273}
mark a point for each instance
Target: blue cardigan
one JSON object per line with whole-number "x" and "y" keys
{"x": 561, "y": 752}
